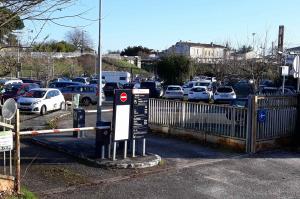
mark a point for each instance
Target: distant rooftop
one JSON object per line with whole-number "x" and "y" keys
{"x": 192, "y": 44}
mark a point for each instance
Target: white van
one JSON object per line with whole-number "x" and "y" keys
{"x": 116, "y": 76}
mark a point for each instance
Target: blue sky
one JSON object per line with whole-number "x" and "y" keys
{"x": 158, "y": 24}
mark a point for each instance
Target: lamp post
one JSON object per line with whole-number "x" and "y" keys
{"x": 99, "y": 103}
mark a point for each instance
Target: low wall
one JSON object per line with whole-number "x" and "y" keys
{"x": 236, "y": 144}
{"x": 273, "y": 143}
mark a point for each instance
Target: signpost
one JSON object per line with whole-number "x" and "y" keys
{"x": 261, "y": 116}
{"x": 284, "y": 72}
{"x": 139, "y": 115}
{"x": 121, "y": 119}
{"x": 6, "y": 141}
{"x": 296, "y": 71}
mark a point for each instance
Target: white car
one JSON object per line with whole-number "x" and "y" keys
{"x": 174, "y": 92}
{"x": 41, "y": 100}
{"x": 224, "y": 94}
{"x": 199, "y": 93}
{"x": 187, "y": 87}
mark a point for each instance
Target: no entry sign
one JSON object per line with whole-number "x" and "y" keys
{"x": 123, "y": 97}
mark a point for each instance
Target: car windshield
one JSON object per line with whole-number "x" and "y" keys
{"x": 198, "y": 89}
{"x": 35, "y": 94}
{"x": 12, "y": 89}
{"x": 224, "y": 90}
{"x": 173, "y": 88}
{"x": 204, "y": 84}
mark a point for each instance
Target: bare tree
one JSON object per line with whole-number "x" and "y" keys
{"x": 79, "y": 38}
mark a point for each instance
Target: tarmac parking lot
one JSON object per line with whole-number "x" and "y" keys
{"x": 188, "y": 170}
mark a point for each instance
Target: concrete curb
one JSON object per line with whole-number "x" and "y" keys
{"x": 151, "y": 159}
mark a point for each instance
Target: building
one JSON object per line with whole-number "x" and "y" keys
{"x": 203, "y": 53}
{"x": 295, "y": 50}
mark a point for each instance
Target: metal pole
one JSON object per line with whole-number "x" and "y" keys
{"x": 102, "y": 152}
{"x": 133, "y": 148}
{"x": 99, "y": 104}
{"x": 125, "y": 149}
{"x": 114, "y": 151}
{"x": 144, "y": 146}
{"x": 283, "y": 84}
{"x": 298, "y": 84}
{"x": 17, "y": 154}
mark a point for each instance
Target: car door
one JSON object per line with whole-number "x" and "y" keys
{"x": 49, "y": 101}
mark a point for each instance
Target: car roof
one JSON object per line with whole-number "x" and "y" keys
{"x": 200, "y": 87}
{"x": 45, "y": 89}
{"x": 174, "y": 86}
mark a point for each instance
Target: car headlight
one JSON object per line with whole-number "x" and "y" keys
{"x": 35, "y": 103}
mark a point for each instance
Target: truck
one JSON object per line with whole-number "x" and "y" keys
{"x": 116, "y": 76}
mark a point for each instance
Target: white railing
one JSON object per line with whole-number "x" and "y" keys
{"x": 281, "y": 116}
{"x": 214, "y": 119}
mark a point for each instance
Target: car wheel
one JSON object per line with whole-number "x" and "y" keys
{"x": 43, "y": 110}
{"x": 86, "y": 101}
{"x": 62, "y": 106}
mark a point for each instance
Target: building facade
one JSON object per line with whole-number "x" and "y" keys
{"x": 203, "y": 53}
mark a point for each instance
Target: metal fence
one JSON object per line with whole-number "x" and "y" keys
{"x": 214, "y": 119}
{"x": 281, "y": 117}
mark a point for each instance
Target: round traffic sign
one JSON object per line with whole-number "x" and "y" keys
{"x": 123, "y": 97}
{"x": 261, "y": 116}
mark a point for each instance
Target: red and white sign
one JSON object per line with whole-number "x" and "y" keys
{"x": 123, "y": 97}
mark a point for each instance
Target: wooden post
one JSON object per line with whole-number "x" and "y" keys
{"x": 17, "y": 153}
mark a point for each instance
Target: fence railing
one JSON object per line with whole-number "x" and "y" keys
{"x": 281, "y": 117}
{"x": 214, "y": 119}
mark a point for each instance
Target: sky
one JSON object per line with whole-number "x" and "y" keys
{"x": 158, "y": 24}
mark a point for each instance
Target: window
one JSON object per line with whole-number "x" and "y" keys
{"x": 122, "y": 78}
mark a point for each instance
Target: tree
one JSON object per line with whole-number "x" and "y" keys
{"x": 54, "y": 46}
{"x": 80, "y": 39}
{"x": 175, "y": 69}
{"x": 136, "y": 51}
{"x": 245, "y": 49}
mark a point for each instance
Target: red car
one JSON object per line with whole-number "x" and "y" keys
{"x": 16, "y": 90}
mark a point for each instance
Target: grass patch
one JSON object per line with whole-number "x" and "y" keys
{"x": 25, "y": 194}
{"x": 68, "y": 177}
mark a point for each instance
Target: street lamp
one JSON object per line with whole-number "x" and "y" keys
{"x": 99, "y": 103}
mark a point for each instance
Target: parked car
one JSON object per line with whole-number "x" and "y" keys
{"x": 110, "y": 87}
{"x": 88, "y": 93}
{"x": 239, "y": 103}
{"x": 173, "y": 92}
{"x": 243, "y": 89}
{"x": 39, "y": 82}
{"x": 41, "y": 100}
{"x": 61, "y": 79}
{"x": 84, "y": 80}
{"x": 224, "y": 94}
{"x": 191, "y": 84}
{"x": 155, "y": 88}
{"x": 199, "y": 93}
{"x": 16, "y": 90}
{"x": 12, "y": 81}
{"x": 60, "y": 85}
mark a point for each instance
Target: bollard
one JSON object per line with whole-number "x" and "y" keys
{"x": 103, "y": 139}
{"x": 78, "y": 121}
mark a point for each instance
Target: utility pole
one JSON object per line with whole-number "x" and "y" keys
{"x": 82, "y": 42}
{"x": 99, "y": 104}
{"x": 253, "y": 35}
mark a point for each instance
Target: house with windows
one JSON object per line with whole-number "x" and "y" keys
{"x": 203, "y": 53}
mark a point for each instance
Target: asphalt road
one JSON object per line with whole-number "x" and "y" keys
{"x": 189, "y": 170}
